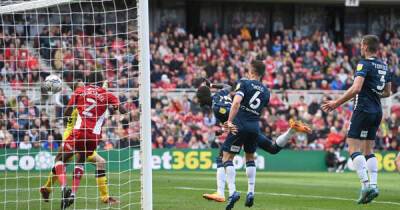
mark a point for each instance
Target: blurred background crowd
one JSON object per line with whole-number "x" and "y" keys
{"x": 180, "y": 57}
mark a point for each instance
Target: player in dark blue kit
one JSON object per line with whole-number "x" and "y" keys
{"x": 371, "y": 83}
{"x": 220, "y": 104}
{"x": 243, "y": 127}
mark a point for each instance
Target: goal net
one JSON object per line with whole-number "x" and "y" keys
{"x": 73, "y": 39}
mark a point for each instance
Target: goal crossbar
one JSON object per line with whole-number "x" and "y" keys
{"x": 30, "y": 5}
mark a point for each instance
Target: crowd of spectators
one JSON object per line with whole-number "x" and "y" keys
{"x": 180, "y": 123}
{"x": 292, "y": 62}
{"x": 178, "y": 60}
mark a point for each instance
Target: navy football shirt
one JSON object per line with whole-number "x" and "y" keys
{"x": 221, "y": 105}
{"x": 376, "y": 76}
{"x": 255, "y": 98}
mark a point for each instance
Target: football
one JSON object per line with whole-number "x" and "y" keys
{"x": 52, "y": 84}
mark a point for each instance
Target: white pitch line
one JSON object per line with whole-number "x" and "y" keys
{"x": 293, "y": 195}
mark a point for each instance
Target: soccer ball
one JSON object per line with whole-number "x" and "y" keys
{"x": 52, "y": 84}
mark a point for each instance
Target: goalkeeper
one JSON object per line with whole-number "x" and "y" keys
{"x": 95, "y": 158}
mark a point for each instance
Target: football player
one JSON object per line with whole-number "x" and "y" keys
{"x": 95, "y": 158}
{"x": 91, "y": 101}
{"x": 371, "y": 83}
{"x": 220, "y": 104}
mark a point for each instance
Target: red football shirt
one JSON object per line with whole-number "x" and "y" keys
{"x": 92, "y": 103}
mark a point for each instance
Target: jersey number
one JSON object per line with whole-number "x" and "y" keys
{"x": 380, "y": 87}
{"x": 226, "y": 99}
{"x": 255, "y": 101}
{"x": 92, "y": 103}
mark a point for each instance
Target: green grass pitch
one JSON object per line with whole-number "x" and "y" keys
{"x": 183, "y": 190}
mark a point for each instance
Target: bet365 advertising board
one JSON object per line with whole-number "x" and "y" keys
{"x": 171, "y": 159}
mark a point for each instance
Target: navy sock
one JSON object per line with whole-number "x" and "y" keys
{"x": 369, "y": 156}
{"x": 354, "y": 155}
{"x": 250, "y": 163}
{"x": 219, "y": 162}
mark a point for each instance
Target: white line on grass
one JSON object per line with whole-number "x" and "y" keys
{"x": 292, "y": 195}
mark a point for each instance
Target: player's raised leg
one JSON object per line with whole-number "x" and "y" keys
{"x": 271, "y": 147}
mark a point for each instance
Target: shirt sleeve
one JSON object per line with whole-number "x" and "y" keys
{"x": 72, "y": 100}
{"x": 361, "y": 70}
{"x": 240, "y": 88}
{"x": 112, "y": 100}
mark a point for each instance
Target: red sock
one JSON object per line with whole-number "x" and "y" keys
{"x": 60, "y": 172}
{"x": 76, "y": 180}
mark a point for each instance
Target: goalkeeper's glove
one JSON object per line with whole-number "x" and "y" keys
{"x": 67, "y": 120}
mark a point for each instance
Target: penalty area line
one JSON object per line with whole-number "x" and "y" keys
{"x": 293, "y": 195}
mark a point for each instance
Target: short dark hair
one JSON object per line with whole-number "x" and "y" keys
{"x": 372, "y": 42}
{"x": 95, "y": 78}
{"x": 258, "y": 67}
{"x": 204, "y": 96}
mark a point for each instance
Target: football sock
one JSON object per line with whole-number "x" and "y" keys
{"x": 283, "y": 139}
{"x": 76, "y": 179}
{"x": 51, "y": 179}
{"x": 60, "y": 172}
{"x": 230, "y": 176}
{"x": 251, "y": 175}
{"x": 221, "y": 178}
{"x": 372, "y": 166}
{"x": 101, "y": 181}
{"x": 360, "y": 164}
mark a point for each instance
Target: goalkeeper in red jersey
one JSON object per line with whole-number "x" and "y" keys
{"x": 95, "y": 158}
{"x": 92, "y": 102}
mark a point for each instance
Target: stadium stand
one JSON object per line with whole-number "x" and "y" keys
{"x": 179, "y": 59}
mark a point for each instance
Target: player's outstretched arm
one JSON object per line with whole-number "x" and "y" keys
{"x": 328, "y": 106}
{"x": 387, "y": 91}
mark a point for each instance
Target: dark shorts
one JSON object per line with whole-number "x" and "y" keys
{"x": 364, "y": 125}
{"x": 234, "y": 143}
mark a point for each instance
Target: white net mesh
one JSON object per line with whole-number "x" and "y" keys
{"x": 71, "y": 39}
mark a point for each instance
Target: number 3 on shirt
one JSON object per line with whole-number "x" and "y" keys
{"x": 255, "y": 101}
{"x": 92, "y": 103}
{"x": 380, "y": 87}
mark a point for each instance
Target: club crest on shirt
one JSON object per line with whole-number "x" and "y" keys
{"x": 359, "y": 67}
{"x": 222, "y": 110}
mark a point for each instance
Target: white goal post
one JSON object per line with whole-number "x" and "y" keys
{"x": 142, "y": 84}
{"x": 145, "y": 98}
